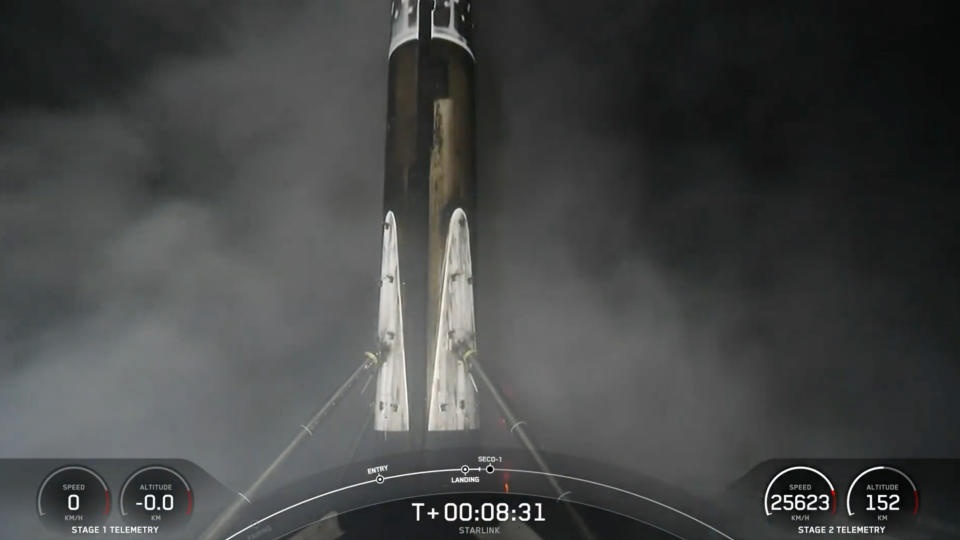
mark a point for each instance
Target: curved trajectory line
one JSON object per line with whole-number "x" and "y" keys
{"x": 331, "y": 492}
{"x": 627, "y": 492}
{"x": 521, "y": 471}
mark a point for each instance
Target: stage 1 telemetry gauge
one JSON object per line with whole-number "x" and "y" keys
{"x": 73, "y": 496}
{"x": 156, "y": 496}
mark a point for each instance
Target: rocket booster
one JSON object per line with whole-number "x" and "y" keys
{"x": 426, "y": 325}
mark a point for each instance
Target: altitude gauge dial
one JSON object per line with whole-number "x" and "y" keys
{"x": 156, "y": 496}
{"x": 882, "y": 495}
{"x": 73, "y": 496}
{"x": 800, "y": 495}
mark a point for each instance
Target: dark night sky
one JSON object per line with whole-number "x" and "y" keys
{"x": 713, "y": 215}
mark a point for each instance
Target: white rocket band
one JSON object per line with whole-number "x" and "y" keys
{"x": 406, "y": 23}
{"x": 451, "y": 20}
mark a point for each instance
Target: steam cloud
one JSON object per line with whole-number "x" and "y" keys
{"x": 189, "y": 262}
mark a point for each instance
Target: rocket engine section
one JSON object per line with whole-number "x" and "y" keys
{"x": 427, "y": 321}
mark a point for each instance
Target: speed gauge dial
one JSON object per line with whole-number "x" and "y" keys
{"x": 800, "y": 495}
{"x": 73, "y": 497}
{"x": 156, "y": 496}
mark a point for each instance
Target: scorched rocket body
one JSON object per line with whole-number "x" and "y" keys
{"x": 426, "y": 326}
